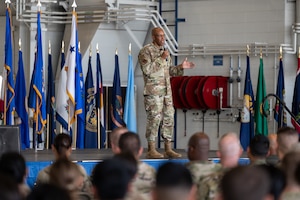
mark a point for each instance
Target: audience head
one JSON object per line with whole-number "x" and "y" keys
{"x": 173, "y": 182}
{"x": 9, "y": 188}
{"x": 258, "y": 148}
{"x": 287, "y": 137}
{"x": 289, "y": 164}
{"x": 130, "y": 162}
{"x": 230, "y": 150}
{"x": 13, "y": 164}
{"x": 245, "y": 183}
{"x": 62, "y": 146}
{"x": 198, "y": 147}
{"x": 66, "y": 174}
{"x": 277, "y": 179}
{"x": 130, "y": 142}
{"x": 273, "y": 143}
{"x": 110, "y": 179}
{"x": 114, "y": 138}
{"x": 48, "y": 192}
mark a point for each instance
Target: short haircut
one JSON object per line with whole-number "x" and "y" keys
{"x": 229, "y": 144}
{"x": 48, "y": 191}
{"x": 259, "y": 146}
{"x": 115, "y": 135}
{"x": 278, "y": 180}
{"x": 173, "y": 174}
{"x": 155, "y": 30}
{"x": 13, "y": 164}
{"x": 289, "y": 164}
{"x": 65, "y": 174}
{"x": 62, "y": 142}
{"x": 130, "y": 142}
{"x": 245, "y": 182}
{"x": 130, "y": 161}
{"x": 110, "y": 179}
{"x": 9, "y": 188}
{"x": 287, "y": 137}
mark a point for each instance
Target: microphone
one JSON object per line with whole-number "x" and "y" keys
{"x": 166, "y": 49}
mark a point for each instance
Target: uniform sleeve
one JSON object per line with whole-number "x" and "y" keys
{"x": 148, "y": 64}
{"x": 176, "y": 71}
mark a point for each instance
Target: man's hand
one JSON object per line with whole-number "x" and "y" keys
{"x": 187, "y": 65}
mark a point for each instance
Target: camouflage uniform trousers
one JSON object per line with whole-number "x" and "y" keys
{"x": 159, "y": 109}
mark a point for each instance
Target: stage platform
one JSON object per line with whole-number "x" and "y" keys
{"x": 88, "y": 158}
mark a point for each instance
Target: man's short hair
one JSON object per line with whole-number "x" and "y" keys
{"x": 259, "y": 146}
{"x": 13, "y": 164}
{"x": 287, "y": 137}
{"x": 173, "y": 174}
{"x": 130, "y": 142}
{"x": 110, "y": 179}
{"x": 245, "y": 182}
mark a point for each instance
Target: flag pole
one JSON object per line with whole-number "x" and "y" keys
{"x": 62, "y": 51}
{"x": 48, "y": 115}
{"x": 5, "y": 83}
{"x": 98, "y": 109}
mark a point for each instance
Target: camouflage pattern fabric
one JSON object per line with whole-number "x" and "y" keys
{"x": 157, "y": 90}
{"x": 200, "y": 169}
{"x": 209, "y": 185}
{"x": 290, "y": 196}
{"x": 145, "y": 179}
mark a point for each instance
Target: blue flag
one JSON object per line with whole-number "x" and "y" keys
{"x": 91, "y": 140}
{"x": 116, "y": 107}
{"x": 10, "y": 90}
{"x": 21, "y": 104}
{"x": 130, "y": 106}
{"x": 280, "y": 114}
{"x": 38, "y": 103}
{"x": 50, "y": 102}
{"x": 100, "y": 103}
{"x": 296, "y": 100}
{"x": 79, "y": 106}
{"x": 247, "y": 118}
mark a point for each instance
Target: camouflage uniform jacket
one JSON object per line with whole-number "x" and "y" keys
{"x": 44, "y": 177}
{"x": 200, "y": 169}
{"x": 145, "y": 180}
{"x": 209, "y": 185}
{"x": 156, "y": 70}
{"x": 290, "y": 196}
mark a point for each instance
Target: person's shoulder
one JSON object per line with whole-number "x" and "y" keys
{"x": 146, "y": 166}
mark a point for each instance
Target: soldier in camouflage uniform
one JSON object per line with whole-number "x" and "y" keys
{"x": 199, "y": 166}
{"x": 155, "y": 62}
{"x": 229, "y": 153}
{"x": 145, "y": 178}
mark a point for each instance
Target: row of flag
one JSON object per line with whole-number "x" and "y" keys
{"x": 77, "y": 102}
{"x": 252, "y": 114}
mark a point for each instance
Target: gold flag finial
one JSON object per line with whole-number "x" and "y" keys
{"x": 261, "y": 53}
{"x": 97, "y": 48}
{"x": 20, "y": 44}
{"x": 129, "y": 49}
{"x": 248, "y": 50}
{"x": 280, "y": 52}
{"x": 299, "y": 53}
{"x": 62, "y": 46}
{"x": 49, "y": 47}
{"x": 79, "y": 46}
{"x": 116, "y": 51}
